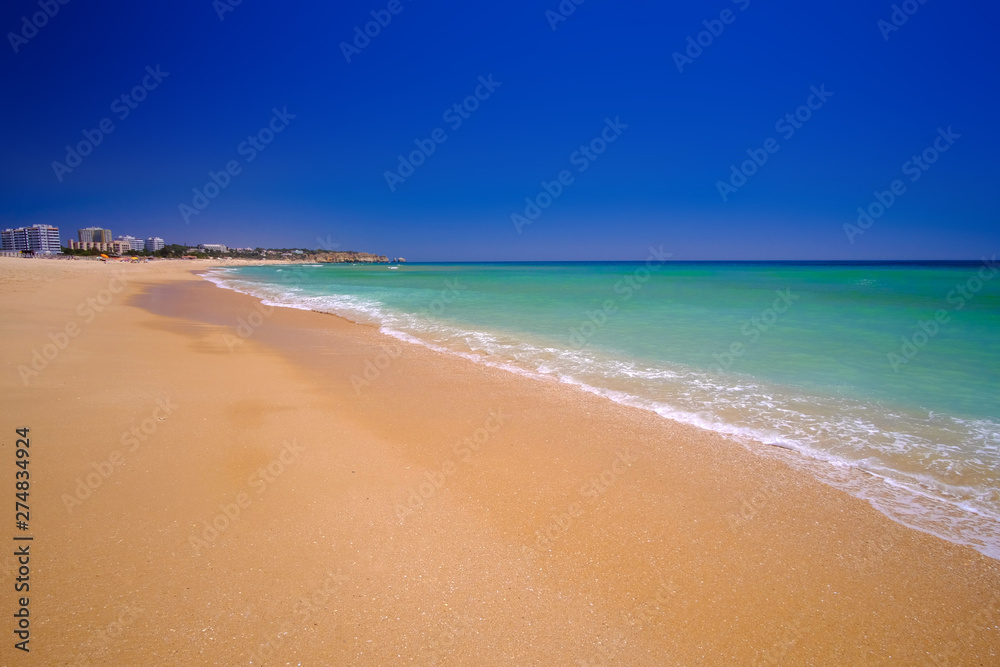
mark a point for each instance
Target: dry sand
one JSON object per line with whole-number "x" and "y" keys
{"x": 361, "y": 531}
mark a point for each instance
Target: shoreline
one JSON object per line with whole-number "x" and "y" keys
{"x": 949, "y": 519}
{"x": 610, "y": 533}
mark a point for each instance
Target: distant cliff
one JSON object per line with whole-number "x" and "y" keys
{"x": 338, "y": 257}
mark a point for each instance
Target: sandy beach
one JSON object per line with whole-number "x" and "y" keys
{"x": 214, "y": 481}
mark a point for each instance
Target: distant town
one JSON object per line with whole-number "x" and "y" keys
{"x": 97, "y": 242}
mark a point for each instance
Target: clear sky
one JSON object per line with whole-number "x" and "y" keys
{"x": 556, "y": 83}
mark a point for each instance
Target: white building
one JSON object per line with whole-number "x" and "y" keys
{"x": 154, "y": 243}
{"x": 213, "y": 247}
{"x": 133, "y": 242}
{"x": 14, "y": 240}
{"x": 94, "y": 235}
{"x": 115, "y": 247}
{"x": 37, "y": 238}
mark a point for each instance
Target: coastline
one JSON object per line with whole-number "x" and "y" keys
{"x": 886, "y": 444}
{"x": 610, "y": 533}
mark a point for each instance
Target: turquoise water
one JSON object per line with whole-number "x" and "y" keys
{"x": 890, "y": 369}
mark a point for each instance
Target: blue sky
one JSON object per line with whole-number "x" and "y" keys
{"x": 322, "y": 179}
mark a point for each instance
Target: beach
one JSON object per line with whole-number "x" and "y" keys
{"x": 216, "y": 481}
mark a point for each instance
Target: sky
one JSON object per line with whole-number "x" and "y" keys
{"x": 730, "y": 129}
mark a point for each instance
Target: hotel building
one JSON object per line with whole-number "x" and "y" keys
{"x": 42, "y": 239}
{"x": 114, "y": 247}
{"x": 94, "y": 235}
{"x": 134, "y": 243}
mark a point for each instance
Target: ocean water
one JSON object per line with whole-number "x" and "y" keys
{"x": 884, "y": 377}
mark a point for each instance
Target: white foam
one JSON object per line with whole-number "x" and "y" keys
{"x": 850, "y": 444}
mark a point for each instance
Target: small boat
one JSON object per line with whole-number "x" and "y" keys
{"x": 394, "y": 267}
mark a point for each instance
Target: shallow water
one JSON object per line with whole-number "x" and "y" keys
{"x": 893, "y": 369}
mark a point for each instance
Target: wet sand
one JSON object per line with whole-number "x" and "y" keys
{"x": 219, "y": 482}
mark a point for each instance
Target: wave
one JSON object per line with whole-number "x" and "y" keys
{"x": 932, "y": 472}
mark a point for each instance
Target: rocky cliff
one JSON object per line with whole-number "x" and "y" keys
{"x": 348, "y": 256}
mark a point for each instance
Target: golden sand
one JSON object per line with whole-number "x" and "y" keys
{"x": 437, "y": 512}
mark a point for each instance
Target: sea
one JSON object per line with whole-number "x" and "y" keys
{"x": 883, "y": 378}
